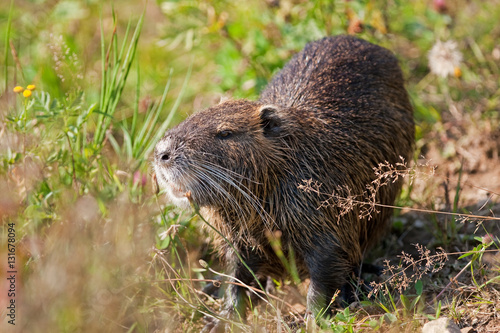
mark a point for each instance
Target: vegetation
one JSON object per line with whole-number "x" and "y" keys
{"x": 98, "y": 84}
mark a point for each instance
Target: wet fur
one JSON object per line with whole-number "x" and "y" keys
{"x": 335, "y": 111}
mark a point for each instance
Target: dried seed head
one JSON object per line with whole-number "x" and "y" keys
{"x": 444, "y": 58}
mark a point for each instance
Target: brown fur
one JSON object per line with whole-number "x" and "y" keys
{"x": 337, "y": 110}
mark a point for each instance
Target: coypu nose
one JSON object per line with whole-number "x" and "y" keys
{"x": 164, "y": 151}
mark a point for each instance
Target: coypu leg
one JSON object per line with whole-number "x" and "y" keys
{"x": 236, "y": 298}
{"x": 329, "y": 268}
{"x": 364, "y": 274}
{"x": 349, "y": 289}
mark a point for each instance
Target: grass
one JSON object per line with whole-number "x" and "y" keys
{"x": 97, "y": 250}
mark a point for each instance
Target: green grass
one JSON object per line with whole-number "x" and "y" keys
{"x": 97, "y": 250}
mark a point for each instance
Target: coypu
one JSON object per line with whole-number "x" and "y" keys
{"x": 331, "y": 115}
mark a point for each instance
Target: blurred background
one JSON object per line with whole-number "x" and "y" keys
{"x": 97, "y": 250}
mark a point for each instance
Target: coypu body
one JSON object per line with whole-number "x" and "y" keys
{"x": 331, "y": 115}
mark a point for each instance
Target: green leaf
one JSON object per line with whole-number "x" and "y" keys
{"x": 384, "y": 307}
{"x": 438, "y": 310}
{"x": 390, "y": 318}
{"x": 467, "y": 254}
{"x": 163, "y": 244}
{"x": 405, "y": 301}
{"x": 374, "y": 324}
{"x": 415, "y": 301}
{"x": 419, "y": 287}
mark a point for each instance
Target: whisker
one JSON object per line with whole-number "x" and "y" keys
{"x": 214, "y": 186}
{"x": 228, "y": 170}
{"x": 248, "y": 195}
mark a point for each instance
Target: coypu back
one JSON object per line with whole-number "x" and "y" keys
{"x": 348, "y": 98}
{"x": 333, "y": 73}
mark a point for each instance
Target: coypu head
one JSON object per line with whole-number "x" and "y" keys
{"x": 224, "y": 155}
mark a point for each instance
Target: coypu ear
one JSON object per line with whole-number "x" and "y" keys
{"x": 270, "y": 120}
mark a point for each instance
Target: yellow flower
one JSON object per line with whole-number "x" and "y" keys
{"x": 457, "y": 72}
{"x": 31, "y": 87}
{"x": 18, "y": 89}
{"x": 27, "y": 93}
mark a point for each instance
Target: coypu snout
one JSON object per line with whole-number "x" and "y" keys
{"x": 169, "y": 174}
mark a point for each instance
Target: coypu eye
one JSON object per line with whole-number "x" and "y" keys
{"x": 224, "y": 134}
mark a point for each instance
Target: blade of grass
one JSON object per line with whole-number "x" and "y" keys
{"x": 127, "y": 142}
{"x": 151, "y": 118}
{"x": 107, "y": 93}
{"x": 103, "y": 73}
{"x": 393, "y": 303}
{"x": 438, "y": 310}
{"x": 150, "y": 123}
{"x": 114, "y": 144}
{"x": 121, "y": 68}
{"x": 166, "y": 123}
{"x": 116, "y": 62}
{"x": 384, "y": 307}
{"x": 125, "y": 70}
{"x": 163, "y": 98}
{"x": 179, "y": 97}
{"x": 137, "y": 100}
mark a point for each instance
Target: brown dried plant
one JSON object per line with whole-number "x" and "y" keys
{"x": 410, "y": 269}
{"x": 367, "y": 203}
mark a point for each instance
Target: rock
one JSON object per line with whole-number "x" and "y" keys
{"x": 441, "y": 325}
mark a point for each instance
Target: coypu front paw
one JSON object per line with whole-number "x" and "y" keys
{"x": 214, "y": 325}
{"x": 226, "y": 322}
